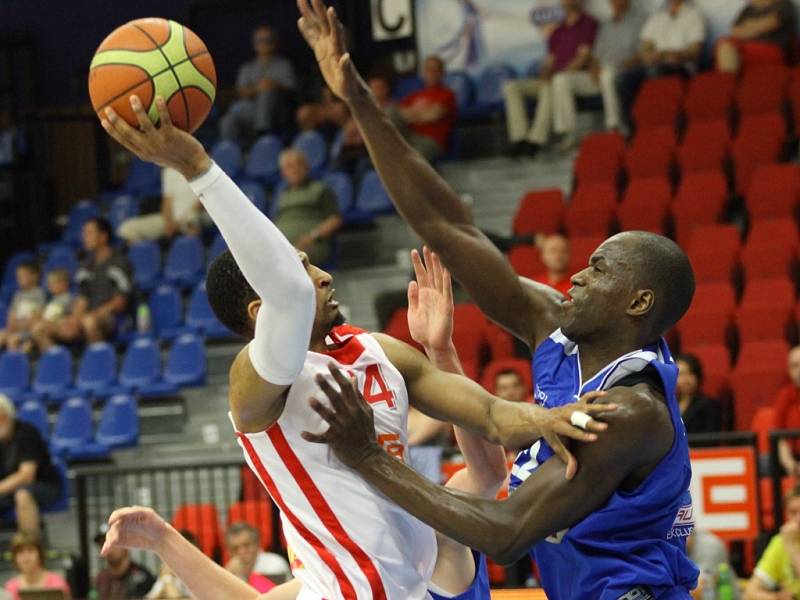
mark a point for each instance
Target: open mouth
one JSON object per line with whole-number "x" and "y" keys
{"x": 331, "y": 301}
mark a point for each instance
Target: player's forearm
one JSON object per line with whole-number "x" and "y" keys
{"x": 205, "y": 579}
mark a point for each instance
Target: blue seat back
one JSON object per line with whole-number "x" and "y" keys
{"x": 256, "y": 193}
{"x": 184, "y": 260}
{"x": 78, "y": 215}
{"x": 186, "y": 364}
{"x": 166, "y": 308}
{"x": 462, "y": 87}
{"x": 372, "y": 196}
{"x": 218, "y": 246}
{"x": 144, "y": 179}
{"x": 490, "y": 84}
{"x": 121, "y": 209}
{"x": 74, "y": 424}
{"x": 228, "y": 156}
{"x": 119, "y": 422}
{"x": 14, "y": 373}
{"x": 61, "y": 257}
{"x": 262, "y": 164}
{"x": 98, "y": 367}
{"x": 407, "y": 85}
{"x": 145, "y": 258}
{"x": 34, "y": 413}
{"x": 141, "y": 364}
{"x": 200, "y": 315}
{"x": 342, "y": 187}
{"x": 54, "y": 371}
{"x": 312, "y": 144}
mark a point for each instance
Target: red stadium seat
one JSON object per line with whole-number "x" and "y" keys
{"x": 762, "y": 89}
{"x": 252, "y": 488}
{"x": 658, "y": 103}
{"x": 793, "y": 94}
{"x": 716, "y": 361}
{"x": 759, "y": 373}
{"x": 773, "y": 192}
{"x": 645, "y": 205}
{"x": 651, "y": 154}
{"x": 600, "y": 159}
{"x": 591, "y": 210}
{"x": 397, "y": 327}
{"x": 764, "y": 324}
{"x": 526, "y": 261}
{"x": 771, "y": 249}
{"x": 469, "y": 332}
{"x": 700, "y": 200}
{"x": 704, "y": 146}
{"x": 710, "y": 96}
{"x": 714, "y": 298}
{"x": 774, "y": 294}
{"x": 580, "y": 249}
{"x": 760, "y": 141}
{"x": 714, "y": 252}
{"x": 763, "y": 422}
{"x": 523, "y": 367}
{"x": 202, "y": 521}
{"x": 501, "y": 343}
{"x": 258, "y": 514}
{"x": 539, "y": 212}
{"x": 704, "y": 327}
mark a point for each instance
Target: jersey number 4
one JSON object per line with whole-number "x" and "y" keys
{"x": 375, "y": 388}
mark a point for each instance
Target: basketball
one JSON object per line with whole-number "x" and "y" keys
{"x": 149, "y": 58}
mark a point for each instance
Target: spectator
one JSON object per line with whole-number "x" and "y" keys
{"x": 26, "y": 306}
{"x": 27, "y": 556}
{"x": 104, "y": 288}
{"x": 181, "y": 212}
{"x": 672, "y": 40}
{"x": 615, "y": 49}
{"x": 708, "y": 552}
{"x": 381, "y": 90}
{"x": 554, "y": 252}
{"x": 700, "y": 413}
{"x": 328, "y": 114}
{"x": 265, "y": 86}
{"x": 59, "y": 307}
{"x": 167, "y": 585}
{"x": 775, "y": 575}
{"x": 351, "y": 156}
{"x": 787, "y": 413}
{"x": 509, "y": 385}
{"x": 762, "y": 34}
{"x": 569, "y": 51}
{"x": 307, "y": 211}
{"x": 427, "y": 117}
{"x": 243, "y": 542}
{"x": 28, "y": 479}
{"x": 121, "y": 579}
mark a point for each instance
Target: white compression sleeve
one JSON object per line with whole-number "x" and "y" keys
{"x": 273, "y": 269}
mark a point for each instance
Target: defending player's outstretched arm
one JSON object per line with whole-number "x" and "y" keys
{"x": 424, "y": 199}
{"x": 271, "y": 265}
{"x": 640, "y": 433}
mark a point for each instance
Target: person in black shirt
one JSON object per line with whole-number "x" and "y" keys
{"x": 122, "y": 579}
{"x": 28, "y": 479}
{"x": 700, "y": 413}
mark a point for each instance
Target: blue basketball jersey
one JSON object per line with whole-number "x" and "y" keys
{"x": 635, "y": 545}
{"x": 479, "y": 590}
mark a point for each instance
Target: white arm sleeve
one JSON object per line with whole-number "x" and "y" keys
{"x": 273, "y": 269}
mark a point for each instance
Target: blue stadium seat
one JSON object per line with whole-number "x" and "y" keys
{"x": 97, "y": 373}
{"x": 372, "y": 196}
{"x": 184, "y": 264}
{"x": 141, "y": 369}
{"x": 186, "y": 364}
{"x": 121, "y": 209}
{"x": 262, "y": 164}
{"x": 78, "y": 215}
{"x": 407, "y": 85}
{"x": 119, "y": 423}
{"x": 462, "y": 86}
{"x": 342, "y": 186}
{"x": 489, "y": 95}
{"x": 228, "y": 156}
{"x": 60, "y": 257}
{"x": 312, "y": 144}
{"x": 53, "y": 379}
{"x": 15, "y": 374}
{"x": 34, "y": 413}
{"x": 256, "y": 193}
{"x": 62, "y": 503}
{"x": 144, "y": 179}
{"x": 166, "y": 312}
{"x": 145, "y": 258}
{"x": 200, "y": 317}
{"x": 72, "y": 434}
{"x": 9, "y": 284}
{"x": 218, "y": 246}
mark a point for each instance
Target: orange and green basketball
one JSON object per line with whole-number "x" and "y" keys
{"x": 149, "y": 58}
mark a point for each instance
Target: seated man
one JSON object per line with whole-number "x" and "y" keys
{"x": 762, "y": 33}
{"x": 244, "y": 543}
{"x": 775, "y": 575}
{"x": 264, "y": 85}
{"x": 181, "y": 212}
{"x": 307, "y": 212}
{"x": 28, "y": 479}
{"x": 787, "y": 414}
{"x": 327, "y": 114}
{"x": 104, "y": 287}
{"x": 554, "y": 253}
{"x": 509, "y": 385}
{"x": 122, "y": 578}
{"x": 427, "y": 117}
{"x": 26, "y": 306}
{"x": 672, "y": 40}
{"x": 568, "y": 50}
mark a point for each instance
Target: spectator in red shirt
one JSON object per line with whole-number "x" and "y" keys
{"x": 554, "y": 251}
{"x": 427, "y": 117}
{"x": 243, "y": 544}
{"x": 787, "y": 413}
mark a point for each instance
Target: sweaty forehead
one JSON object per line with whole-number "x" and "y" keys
{"x": 613, "y": 252}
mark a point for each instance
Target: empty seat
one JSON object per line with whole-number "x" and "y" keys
{"x": 119, "y": 423}
{"x": 773, "y": 192}
{"x": 122, "y": 208}
{"x": 145, "y": 258}
{"x": 501, "y": 343}
{"x": 256, "y": 194}
{"x": 704, "y": 326}
{"x": 97, "y": 372}
{"x": 600, "y": 158}
{"x": 591, "y": 210}
{"x": 700, "y": 200}
{"x": 372, "y": 196}
{"x": 461, "y": 84}
{"x": 201, "y": 317}
{"x": 34, "y": 413}
{"x": 704, "y": 146}
{"x": 14, "y": 374}
{"x": 762, "y": 89}
{"x": 539, "y": 212}
{"x": 53, "y": 377}
{"x": 658, "y": 103}
{"x": 495, "y": 367}
{"x": 581, "y": 249}
{"x": 228, "y": 156}
{"x": 141, "y": 369}
{"x": 766, "y": 310}
{"x": 769, "y": 294}
{"x": 184, "y": 263}
{"x": 342, "y": 186}
{"x": 710, "y": 96}
{"x": 716, "y": 362}
{"x": 771, "y": 249}
{"x": 166, "y": 312}
{"x": 186, "y": 362}
{"x": 202, "y": 521}
{"x": 312, "y": 144}
{"x": 645, "y": 205}
{"x": 760, "y": 142}
{"x": 651, "y": 154}
{"x": 489, "y": 92}
{"x": 262, "y": 162}
{"x": 78, "y": 215}
{"x": 72, "y": 433}
{"x": 61, "y": 257}
{"x": 759, "y": 372}
{"x": 144, "y": 179}
{"x": 714, "y": 252}
{"x": 526, "y": 261}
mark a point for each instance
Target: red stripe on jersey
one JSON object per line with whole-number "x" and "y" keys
{"x": 325, "y": 555}
{"x": 350, "y": 349}
{"x": 324, "y": 511}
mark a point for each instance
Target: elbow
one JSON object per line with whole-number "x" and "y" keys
{"x": 506, "y": 550}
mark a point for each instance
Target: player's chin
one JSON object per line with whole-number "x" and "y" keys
{"x": 335, "y": 317}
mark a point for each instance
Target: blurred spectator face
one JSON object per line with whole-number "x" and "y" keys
{"x": 27, "y": 559}
{"x": 619, "y": 7}
{"x": 509, "y": 386}
{"x": 687, "y": 379}
{"x": 555, "y": 254}
{"x": 294, "y": 167}
{"x": 380, "y": 90}
{"x": 27, "y": 278}
{"x": 57, "y": 282}
{"x": 571, "y": 5}
{"x": 93, "y": 237}
{"x": 351, "y": 136}
{"x": 264, "y": 42}
{"x": 794, "y": 365}
{"x": 433, "y": 71}
{"x": 793, "y": 509}
{"x": 244, "y": 546}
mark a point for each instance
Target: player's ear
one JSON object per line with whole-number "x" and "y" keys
{"x": 641, "y": 303}
{"x": 252, "y": 309}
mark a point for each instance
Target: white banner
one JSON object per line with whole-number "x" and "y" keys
{"x": 472, "y": 34}
{"x": 391, "y": 19}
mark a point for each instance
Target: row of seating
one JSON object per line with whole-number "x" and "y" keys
{"x": 98, "y": 374}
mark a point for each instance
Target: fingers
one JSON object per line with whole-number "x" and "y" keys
{"x": 431, "y": 268}
{"x": 305, "y": 11}
{"x": 333, "y": 395}
{"x": 566, "y": 429}
{"x": 164, "y": 118}
{"x": 323, "y": 411}
{"x": 413, "y": 295}
{"x": 345, "y": 383}
{"x": 320, "y": 13}
{"x": 314, "y": 438}
{"x": 120, "y": 130}
{"x": 337, "y": 32}
{"x": 448, "y": 287}
{"x": 590, "y": 397}
{"x": 564, "y": 454}
{"x": 145, "y": 124}
{"x": 420, "y": 270}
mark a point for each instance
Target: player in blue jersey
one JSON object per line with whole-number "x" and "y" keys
{"x": 616, "y": 527}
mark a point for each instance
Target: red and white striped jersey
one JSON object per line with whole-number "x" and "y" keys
{"x": 352, "y": 542}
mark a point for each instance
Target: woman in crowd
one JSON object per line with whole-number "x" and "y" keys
{"x": 700, "y": 413}
{"x": 27, "y": 555}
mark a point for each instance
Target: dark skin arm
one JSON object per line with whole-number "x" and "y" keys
{"x": 640, "y": 433}
{"x": 430, "y": 206}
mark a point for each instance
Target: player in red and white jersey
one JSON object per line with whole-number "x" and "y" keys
{"x": 353, "y": 543}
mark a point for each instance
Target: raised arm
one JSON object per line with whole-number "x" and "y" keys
{"x": 269, "y": 263}
{"x": 639, "y": 434}
{"x": 425, "y": 200}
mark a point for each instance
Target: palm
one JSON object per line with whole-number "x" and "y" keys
{"x": 136, "y": 528}
{"x": 431, "y": 321}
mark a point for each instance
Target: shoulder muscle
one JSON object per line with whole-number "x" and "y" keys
{"x": 255, "y": 403}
